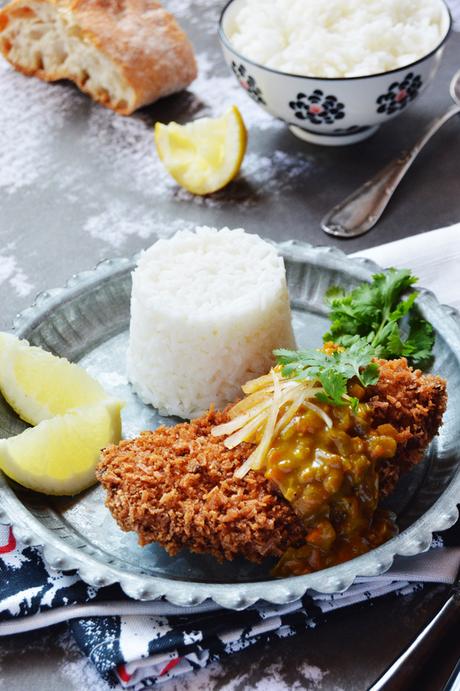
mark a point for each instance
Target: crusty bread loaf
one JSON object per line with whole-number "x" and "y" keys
{"x": 123, "y": 53}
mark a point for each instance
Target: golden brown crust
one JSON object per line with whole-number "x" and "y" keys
{"x": 414, "y": 404}
{"x": 176, "y": 485}
{"x": 143, "y": 40}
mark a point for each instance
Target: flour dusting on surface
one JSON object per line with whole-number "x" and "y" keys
{"x": 77, "y": 669}
{"x": 200, "y": 13}
{"x": 74, "y": 672}
{"x": 274, "y": 680}
{"x": 14, "y": 276}
{"x": 312, "y": 673}
{"x": 117, "y": 223}
{"x": 31, "y": 116}
{"x": 83, "y": 675}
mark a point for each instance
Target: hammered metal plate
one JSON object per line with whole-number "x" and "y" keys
{"x": 87, "y": 321}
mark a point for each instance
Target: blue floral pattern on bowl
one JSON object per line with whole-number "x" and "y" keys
{"x": 247, "y": 82}
{"x": 399, "y": 94}
{"x": 318, "y": 108}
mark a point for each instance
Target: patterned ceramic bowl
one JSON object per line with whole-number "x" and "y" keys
{"x": 331, "y": 111}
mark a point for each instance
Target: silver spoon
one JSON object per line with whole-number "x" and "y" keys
{"x": 359, "y": 212}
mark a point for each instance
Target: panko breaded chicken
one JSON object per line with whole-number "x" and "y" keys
{"x": 176, "y": 485}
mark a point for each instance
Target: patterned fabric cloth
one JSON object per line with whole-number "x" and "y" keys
{"x": 138, "y": 645}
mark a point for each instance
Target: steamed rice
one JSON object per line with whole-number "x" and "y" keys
{"x": 337, "y": 38}
{"x": 207, "y": 309}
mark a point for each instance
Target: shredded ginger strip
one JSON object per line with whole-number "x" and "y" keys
{"x": 257, "y": 418}
{"x": 256, "y": 458}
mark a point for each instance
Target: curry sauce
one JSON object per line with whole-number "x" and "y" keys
{"x": 329, "y": 475}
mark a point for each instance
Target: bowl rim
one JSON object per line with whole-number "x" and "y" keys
{"x": 228, "y": 44}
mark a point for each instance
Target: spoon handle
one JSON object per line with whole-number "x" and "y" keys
{"x": 359, "y": 212}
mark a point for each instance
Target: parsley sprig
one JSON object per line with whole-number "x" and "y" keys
{"x": 378, "y": 313}
{"x": 375, "y": 320}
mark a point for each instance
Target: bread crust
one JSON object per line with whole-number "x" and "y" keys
{"x": 139, "y": 37}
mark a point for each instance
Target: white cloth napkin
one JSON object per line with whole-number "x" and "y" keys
{"x": 434, "y": 257}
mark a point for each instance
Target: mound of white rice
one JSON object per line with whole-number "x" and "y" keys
{"x": 207, "y": 309}
{"x": 337, "y": 38}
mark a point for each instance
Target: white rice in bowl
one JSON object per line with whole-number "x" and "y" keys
{"x": 207, "y": 310}
{"x": 337, "y": 38}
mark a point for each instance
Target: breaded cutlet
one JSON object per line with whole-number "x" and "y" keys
{"x": 176, "y": 485}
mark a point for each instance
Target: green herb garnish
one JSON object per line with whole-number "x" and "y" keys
{"x": 375, "y": 312}
{"x": 372, "y": 321}
{"x": 332, "y": 371}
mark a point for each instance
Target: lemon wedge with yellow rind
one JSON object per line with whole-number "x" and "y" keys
{"x": 204, "y": 155}
{"x": 39, "y": 385}
{"x": 59, "y": 456}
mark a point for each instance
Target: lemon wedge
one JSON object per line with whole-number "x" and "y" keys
{"x": 39, "y": 385}
{"x": 204, "y": 155}
{"x": 59, "y": 456}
